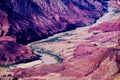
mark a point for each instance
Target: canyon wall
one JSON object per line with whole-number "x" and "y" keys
{"x": 13, "y": 53}
{"x": 32, "y": 20}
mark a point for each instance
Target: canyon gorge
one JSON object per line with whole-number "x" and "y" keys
{"x": 59, "y": 40}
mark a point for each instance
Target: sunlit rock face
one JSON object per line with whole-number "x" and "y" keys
{"x": 113, "y": 25}
{"x": 93, "y": 57}
{"x": 37, "y": 19}
{"x": 12, "y": 53}
{"x": 88, "y": 62}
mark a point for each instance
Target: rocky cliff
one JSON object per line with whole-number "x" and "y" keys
{"x": 88, "y": 53}
{"x": 13, "y": 53}
{"x": 113, "y": 25}
{"x": 87, "y": 62}
{"x": 10, "y": 51}
{"x": 31, "y": 20}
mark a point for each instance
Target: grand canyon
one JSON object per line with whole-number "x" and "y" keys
{"x": 59, "y": 39}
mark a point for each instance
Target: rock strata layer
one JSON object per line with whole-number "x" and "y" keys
{"x": 32, "y": 20}
{"x": 87, "y": 62}
{"x": 13, "y": 53}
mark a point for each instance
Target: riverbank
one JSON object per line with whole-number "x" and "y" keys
{"x": 86, "y": 55}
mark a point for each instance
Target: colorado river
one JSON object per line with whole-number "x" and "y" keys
{"x": 49, "y": 57}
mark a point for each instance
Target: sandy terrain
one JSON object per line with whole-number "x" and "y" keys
{"x": 67, "y": 43}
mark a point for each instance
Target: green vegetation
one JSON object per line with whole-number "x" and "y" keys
{"x": 116, "y": 11}
{"x": 58, "y": 38}
{"x": 49, "y": 52}
{"x": 53, "y": 39}
{"x": 5, "y": 66}
{"x": 67, "y": 34}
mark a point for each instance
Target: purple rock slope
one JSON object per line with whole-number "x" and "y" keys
{"x": 13, "y": 53}
{"x": 31, "y": 20}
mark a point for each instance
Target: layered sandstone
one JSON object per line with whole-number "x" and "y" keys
{"x": 113, "y": 25}
{"x": 13, "y": 53}
{"x": 88, "y": 62}
{"x": 37, "y": 19}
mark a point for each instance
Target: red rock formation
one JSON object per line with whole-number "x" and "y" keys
{"x": 3, "y": 23}
{"x": 33, "y": 20}
{"x": 12, "y": 53}
{"x": 45, "y": 18}
{"x": 115, "y": 3}
{"x": 88, "y": 62}
{"x": 113, "y": 25}
{"x": 106, "y": 37}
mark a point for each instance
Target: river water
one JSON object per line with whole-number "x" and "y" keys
{"x": 47, "y": 59}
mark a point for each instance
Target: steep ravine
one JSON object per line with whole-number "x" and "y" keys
{"x": 87, "y": 56}
{"x": 89, "y": 52}
{"x": 34, "y": 20}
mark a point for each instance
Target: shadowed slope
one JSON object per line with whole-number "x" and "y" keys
{"x": 31, "y": 20}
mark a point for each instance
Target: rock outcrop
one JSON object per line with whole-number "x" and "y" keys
{"x": 13, "y": 53}
{"x": 88, "y": 62}
{"x": 29, "y": 20}
{"x": 37, "y": 19}
{"x": 10, "y": 51}
{"x": 114, "y": 22}
{"x": 113, "y": 25}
